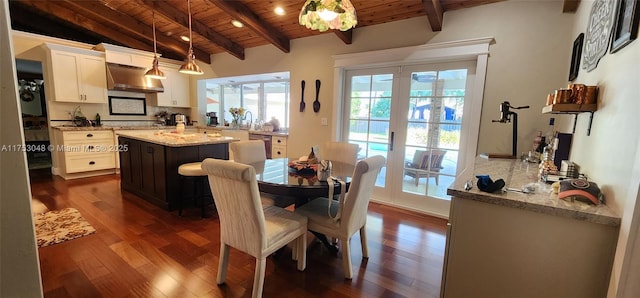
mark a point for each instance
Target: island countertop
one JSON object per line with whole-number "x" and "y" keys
{"x": 516, "y": 174}
{"x": 178, "y": 140}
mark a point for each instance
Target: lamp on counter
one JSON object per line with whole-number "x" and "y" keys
{"x": 323, "y": 15}
{"x": 154, "y": 72}
{"x": 190, "y": 66}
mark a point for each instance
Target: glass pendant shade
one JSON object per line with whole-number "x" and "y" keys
{"x": 190, "y": 66}
{"x": 323, "y": 15}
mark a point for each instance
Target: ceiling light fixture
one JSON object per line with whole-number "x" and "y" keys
{"x": 154, "y": 72}
{"x": 190, "y": 66}
{"x": 184, "y": 37}
{"x": 279, "y": 11}
{"x": 323, "y": 15}
{"x": 237, "y": 23}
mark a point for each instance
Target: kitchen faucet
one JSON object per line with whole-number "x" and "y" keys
{"x": 250, "y": 119}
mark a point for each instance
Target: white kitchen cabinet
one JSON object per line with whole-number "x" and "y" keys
{"x": 176, "y": 90}
{"x": 84, "y": 153}
{"x": 278, "y": 146}
{"x": 77, "y": 75}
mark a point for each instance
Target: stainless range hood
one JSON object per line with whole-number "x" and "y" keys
{"x": 131, "y": 78}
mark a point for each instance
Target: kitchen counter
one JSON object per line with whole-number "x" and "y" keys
{"x": 149, "y": 163}
{"x": 253, "y": 131}
{"x": 524, "y": 245}
{"x": 178, "y": 140}
{"x": 517, "y": 174}
{"x": 103, "y": 127}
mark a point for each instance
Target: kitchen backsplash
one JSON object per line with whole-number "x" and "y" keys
{"x": 60, "y": 112}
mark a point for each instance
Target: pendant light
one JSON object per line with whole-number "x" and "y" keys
{"x": 190, "y": 66}
{"x": 154, "y": 72}
{"x": 323, "y": 15}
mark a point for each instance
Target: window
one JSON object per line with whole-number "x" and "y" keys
{"x": 264, "y": 96}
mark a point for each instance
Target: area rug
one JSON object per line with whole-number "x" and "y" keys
{"x": 60, "y": 225}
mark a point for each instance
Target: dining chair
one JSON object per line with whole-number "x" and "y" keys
{"x": 253, "y": 152}
{"x": 346, "y": 153}
{"x": 352, "y": 210}
{"x": 246, "y": 225}
{"x": 248, "y": 151}
{"x": 425, "y": 165}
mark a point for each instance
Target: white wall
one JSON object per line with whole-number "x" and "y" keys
{"x": 19, "y": 265}
{"x": 608, "y": 155}
{"x": 310, "y": 59}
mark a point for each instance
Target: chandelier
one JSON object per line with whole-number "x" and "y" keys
{"x": 323, "y": 15}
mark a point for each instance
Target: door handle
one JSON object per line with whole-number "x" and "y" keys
{"x": 391, "y": 141}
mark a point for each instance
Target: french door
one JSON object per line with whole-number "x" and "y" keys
{"x": 413, "y": 116}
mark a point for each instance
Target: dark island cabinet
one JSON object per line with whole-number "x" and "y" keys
{"x": 150, "y": 170}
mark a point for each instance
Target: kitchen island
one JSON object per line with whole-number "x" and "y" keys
{"x": 516, "y": 244}
{"x": 149, "y": 162}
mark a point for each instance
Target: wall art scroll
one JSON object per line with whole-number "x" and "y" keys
{"x": 598, "y": 32}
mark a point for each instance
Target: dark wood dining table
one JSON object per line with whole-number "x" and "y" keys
{"x": 279, "y": 178}
{"x": 286, "y": 181}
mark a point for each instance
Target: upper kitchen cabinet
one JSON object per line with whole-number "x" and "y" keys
{"x": 78, "y": 75}
{"x": 176, "y": 89}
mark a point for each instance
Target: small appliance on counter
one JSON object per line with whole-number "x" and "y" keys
{"x": 173, "y": 119}
{"x": 212, "y": 119}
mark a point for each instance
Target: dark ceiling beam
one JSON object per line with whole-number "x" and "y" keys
{"x": 127, "y": 24}
{"x": 62, "y": 12}
{"x": 170, "y": 12}
{"x": 345, "y": 36}
{"x": 240, "y": 12}
{"x": 22, "y": 17}
{"x": 434, "y": 13}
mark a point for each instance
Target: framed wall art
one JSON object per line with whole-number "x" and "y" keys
{"x": 626, "y": 28}
{"x": 575, "y": 57}
{"x": 598, "y": 34}
{"x": 119, "y": 105}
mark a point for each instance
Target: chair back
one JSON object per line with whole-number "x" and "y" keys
{"x": 340, "y": 152}
{"x": 425, "y": 160}
{"x": 237, "y": 197}
{"x": 354, "y": 210}
{"x": 248, "y": 151}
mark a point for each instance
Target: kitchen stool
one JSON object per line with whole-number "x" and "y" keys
{"x": 193, "y": 171}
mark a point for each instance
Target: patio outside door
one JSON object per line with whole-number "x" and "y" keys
{"x": 413, "y": 116}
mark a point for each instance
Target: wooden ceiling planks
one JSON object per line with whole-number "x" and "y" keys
{"x": 128, "y": 22}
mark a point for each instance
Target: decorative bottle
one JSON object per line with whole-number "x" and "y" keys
{"x": 180, "y": 127}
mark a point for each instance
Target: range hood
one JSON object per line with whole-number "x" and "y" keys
{"x": 131, "y": 78}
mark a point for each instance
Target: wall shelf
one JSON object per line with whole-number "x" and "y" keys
{"x": 574, "y": 109}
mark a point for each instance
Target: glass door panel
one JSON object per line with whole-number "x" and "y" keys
{"x": 436, "y": 102}
{"x": 369, "y": 98}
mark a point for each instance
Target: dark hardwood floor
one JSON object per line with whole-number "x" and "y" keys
{"x": 140, "y": 250}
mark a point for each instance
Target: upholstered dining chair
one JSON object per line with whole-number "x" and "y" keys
{"x": 253, "y": 152}
{"x": 246, "y": 225}
{"x": 346, "y": 153}
{"x": 353, "y": 210}
{"x": 425, "y": 165}
{"x": 248, "y": 151}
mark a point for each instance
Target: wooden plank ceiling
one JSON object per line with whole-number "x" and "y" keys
{"x": 129, "y": 22}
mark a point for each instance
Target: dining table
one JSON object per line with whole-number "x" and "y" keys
{"x": 287, "y": 180}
